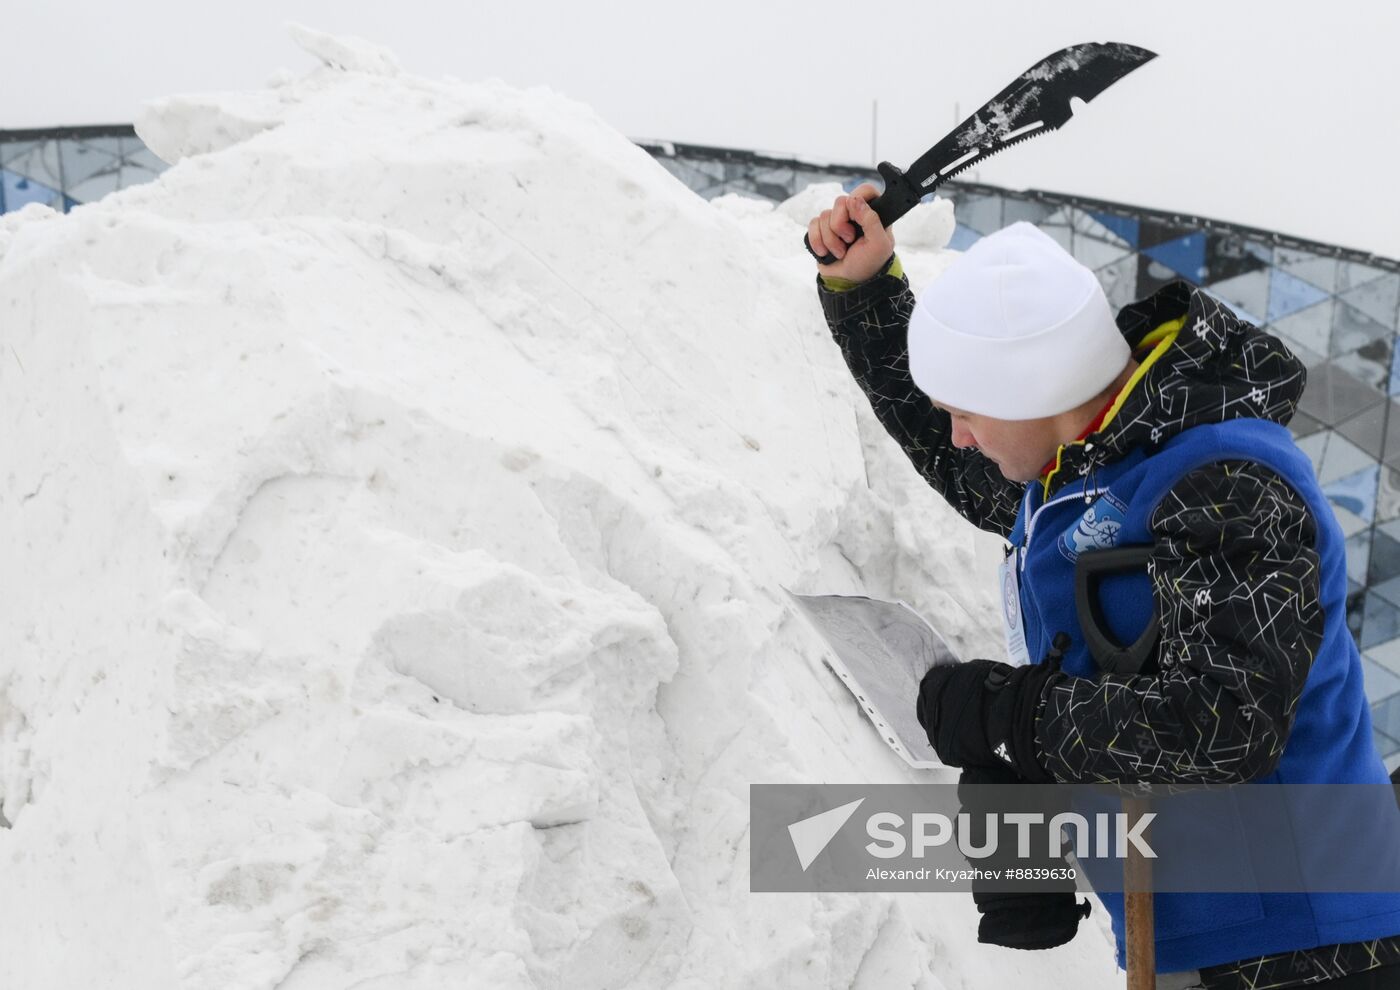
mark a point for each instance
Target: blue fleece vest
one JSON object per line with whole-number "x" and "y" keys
{"x": 1331, "y": 739}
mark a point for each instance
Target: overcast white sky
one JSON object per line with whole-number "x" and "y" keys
{"x": 1281, "y": 115}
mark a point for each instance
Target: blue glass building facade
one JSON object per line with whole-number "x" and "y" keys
{"x": 64, "y": 167}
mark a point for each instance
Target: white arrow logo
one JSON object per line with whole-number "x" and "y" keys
{"x": 811, "y": 835}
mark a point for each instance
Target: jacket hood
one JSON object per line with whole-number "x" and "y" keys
{"x": 1205, "y": 365}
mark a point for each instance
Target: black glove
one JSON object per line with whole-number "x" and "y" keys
{"x": 1029, "y": 921}
{"x": 982, "y": 713}
{"x": 1017, "y": 919}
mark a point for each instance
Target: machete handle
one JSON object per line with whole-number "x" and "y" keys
{"x": 900, "y": 196}
{"x": 829, "y": 259}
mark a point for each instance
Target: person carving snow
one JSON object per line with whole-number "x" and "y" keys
{"x": 1040, "y": 416}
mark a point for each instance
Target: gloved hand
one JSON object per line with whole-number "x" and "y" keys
{"x": 982, "y": 713}
{"x": 1012, "y": 917}
{"x": 1029, "y": 921}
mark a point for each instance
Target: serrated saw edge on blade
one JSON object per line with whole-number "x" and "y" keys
{"x": 941, "y": 177}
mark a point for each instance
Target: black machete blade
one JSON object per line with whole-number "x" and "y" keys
{"x": 1036, "y": 102}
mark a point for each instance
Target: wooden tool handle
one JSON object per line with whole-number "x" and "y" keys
{"x": 1137, "y": 907}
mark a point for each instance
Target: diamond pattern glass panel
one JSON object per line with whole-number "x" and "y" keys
{"x": 1334, "y": 396}
{"x": 979, "y": 213}
{"x": 1385, "y": 719}
{"x": 1028, "y": 210}
{"x": 1366, "y": 430}
{"x": 39, "y": 163}
{"x": 1381, "y": 682}
{"x": 96, "y": 187}
{"x": 1308, "y": 329}
{"x": 1126, "y": 227}
{"x": 1152, "y": 275}
{"x": 147, "y": 159}
{"x": 1358, "y": 550}
{"x": 1341, "y": 459}
{"x": 72, "y": 167}
{"x": 1119, "y": 280}
{"x": 13, "y": 149}
{"x": 1303, "y": 425}
{"x": 1351, "y": 274}
{"x": 1378, "y": 299}
{"x": 1095, "y": 252}
{"x": 1371, "y": 363}
{"x": 1186, "y": 256}
{"x": 1355, "y": 493}
{"x": 1249, "y": 292}
{"x": 1384, "y": 560}
{"x": 963, "y": 238}
{"x": 1153, "y": 231}
{"x": 1390, "y": 591}
{"x": 1351, "y": 328}
{"x": 1380, "y": 622}
{"x": 1388, "y": 496}
{"x": 1288, "y": 294}
{"x": 1093, "y": 226}
{"x": 1057, "y": 226}
{"x": 1229, "y": 255}
{"x": 1318, "y": 271}
{"x": 18, "y": 191}
{"x": 81, "y": 161}
{"x": 1390, "y": 452}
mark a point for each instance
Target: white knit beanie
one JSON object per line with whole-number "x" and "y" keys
{"x": 1014, "y": 329}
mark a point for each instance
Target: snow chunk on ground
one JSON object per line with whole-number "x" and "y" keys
{"x": 399, "y": 496}
{"x": 345, "y": 53}
{"x": 928, "y": 226}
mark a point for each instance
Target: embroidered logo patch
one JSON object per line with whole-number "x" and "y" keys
{"x": 1097, "y": 529}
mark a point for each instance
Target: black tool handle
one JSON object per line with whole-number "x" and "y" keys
{"x": 1112, "y": 657}
{"x": 900, "y": 196}
{"x": 829, "y": 259}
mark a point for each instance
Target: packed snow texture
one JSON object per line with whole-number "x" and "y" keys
{"x": 398, "y": 498}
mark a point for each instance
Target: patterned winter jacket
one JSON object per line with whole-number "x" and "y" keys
{"x": 1231, "y": 532}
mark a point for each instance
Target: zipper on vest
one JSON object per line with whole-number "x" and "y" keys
{"x": 1087, "y": 495}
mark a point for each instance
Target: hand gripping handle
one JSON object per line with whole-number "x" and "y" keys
{"x": 900, "y": 196}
